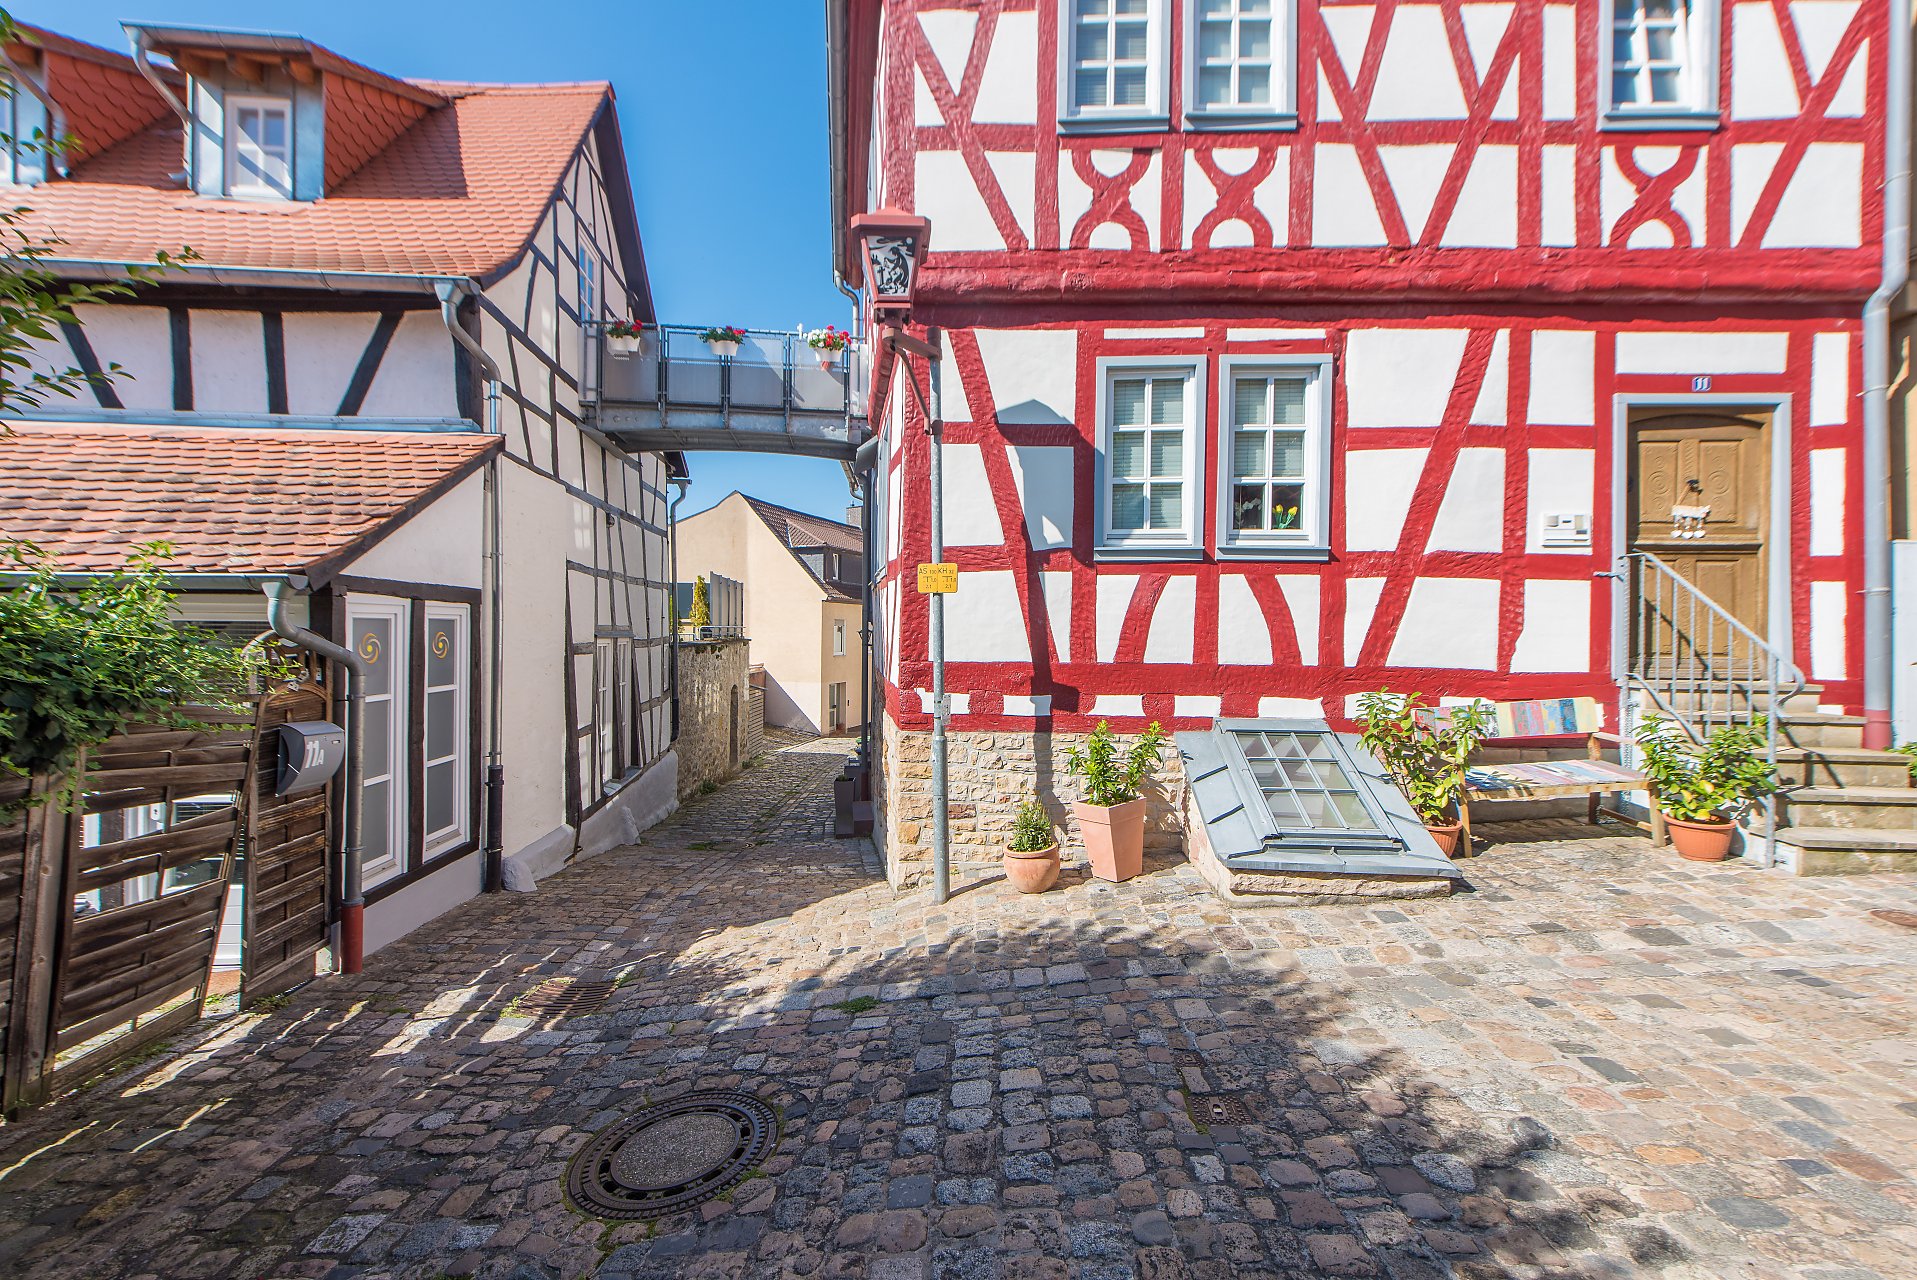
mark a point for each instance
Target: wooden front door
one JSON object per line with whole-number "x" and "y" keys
{"x": 1698, "y": 498}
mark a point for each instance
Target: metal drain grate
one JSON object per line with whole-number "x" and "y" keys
{"x": 563, "y": 997}
{"x": 1216, "y": 1108}
{"x": 673, "y": 1156}
{"x": 1908, "y": 919}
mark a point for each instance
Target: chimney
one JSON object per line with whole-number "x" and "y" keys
{"x": 853, "y": 515}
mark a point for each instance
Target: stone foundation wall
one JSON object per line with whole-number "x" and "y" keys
{"x": 989, "y": 775}
{"x": 713, "y": 688}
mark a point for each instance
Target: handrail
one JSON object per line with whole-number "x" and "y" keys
{"x": 1698, "y": 666}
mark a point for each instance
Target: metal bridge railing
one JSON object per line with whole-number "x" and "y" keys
{"x": 773, "y": 372}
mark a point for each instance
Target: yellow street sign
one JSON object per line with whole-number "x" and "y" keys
{"x": 938, "y": 579}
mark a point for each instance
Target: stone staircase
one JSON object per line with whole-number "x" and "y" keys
{"x": 1844, "y": 810}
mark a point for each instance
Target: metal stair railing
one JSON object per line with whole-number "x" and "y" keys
{"x": 1689, "y": 659}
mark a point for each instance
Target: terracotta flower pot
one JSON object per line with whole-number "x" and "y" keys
{"x": 1700, "y": 841}
{"x": 1033, "y": 872}
{"x": 1114, "y": 837}
{"x": 1447, "y": 837}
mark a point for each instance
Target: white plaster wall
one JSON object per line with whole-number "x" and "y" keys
{"x": 1361, "y": 602}
{"x": 1449, "y": 622}
{"x": 322, "y": 350}
{"x": 398, "y": 914}
{"x": 1490, "y": 408}
{"x": 229, "y": 361}
{"x": 1244, "y": 638}
{"x": 1559, "y": 480}
{"x": 1830, "y": 398}
{"x": 1378, "y": 488}
{"x": 1008, "y": 91}
{"x": 1057, "y": 587}
{"x": 1400, "y": 377}
{"x": 443, "y": 544}
{"x": 946, "y": 193}
{"x": 1343, "y": 213}
{"x": 1169, "y": 638}
{"x": 1828, "y": 630}
{"x": 1471, "y": 517}
{"x": 971, "y": 515}
{"x": 1562, "y": 378}
{"x": 984, "y": 621}
{"x": 1823, "y": 205}
{"x": 539, "y": 537}
{"x": 140, "y": 339}
{"x": 1044, "y": 476}
{"x": 1301, "y": 597}
{"x": 1416, "y": 80}
{"x": 1556, "y": 634}
{"x": 1033, "y": 372}
{"x": 1827, "y": 512}
{"x": 416, "y": 376}
{"x": 1114, "y": 599}
{"x": 1672, "y": 351}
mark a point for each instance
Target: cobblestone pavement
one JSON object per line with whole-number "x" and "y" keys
{"x": 1599, "y": 1062}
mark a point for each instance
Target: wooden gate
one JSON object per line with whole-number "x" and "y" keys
{"x": 116, "y": 907}
{"x": 284, "y": 864}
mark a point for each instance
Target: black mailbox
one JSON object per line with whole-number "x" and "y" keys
{"x": 311, "y": 751}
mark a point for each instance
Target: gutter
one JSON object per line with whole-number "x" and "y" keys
{"x": 56, "y": 118}
{"x": 835, "y": 71}
{"x": 451, "y": 293}
{"x": 682, "y": 484}
{"x": 262, "y": 277}
{"x": 1878, "y": 649}
{"x": 352, "y": 910}
{"x": 138, "y": 38}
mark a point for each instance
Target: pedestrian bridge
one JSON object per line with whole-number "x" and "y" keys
{"x": 669, "y": 390}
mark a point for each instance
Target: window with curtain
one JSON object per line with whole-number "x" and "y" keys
{"x": 1150, "y": 447}
{"x": 1114, "y": 52}
{"x": 1662, "y": 57}
{"x": 1240, "y": 58}
{"x": 1272, "y": 473}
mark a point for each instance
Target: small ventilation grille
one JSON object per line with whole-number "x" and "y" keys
{"x": 563, "y": 997}
{"x": 1216, "y": 1108}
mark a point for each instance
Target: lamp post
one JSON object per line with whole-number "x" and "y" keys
{"x": 893, "y": 249}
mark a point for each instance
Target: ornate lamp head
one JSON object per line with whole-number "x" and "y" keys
{"x": 894, "y": 246}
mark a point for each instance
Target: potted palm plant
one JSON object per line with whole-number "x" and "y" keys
{"x": 1425, "y": 750}
{"x": 723, "y": 340}
{"x": 1699, "y": 786}
{"x": 1111, "y": 818}
{"x": 624, "y": 338}
{"x": 1031, "y": 855}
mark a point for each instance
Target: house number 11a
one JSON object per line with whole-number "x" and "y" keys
{"x": 1702, "y": 382}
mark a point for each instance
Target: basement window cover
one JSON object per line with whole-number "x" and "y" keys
{"x": 1294, "y": 795}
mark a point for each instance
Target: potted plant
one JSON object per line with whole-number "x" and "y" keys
{"x": 1111, "y": 818}
{"x": 1425, "y": 750}
{"x": 1031, "y": 855}
{"x": 624, "y": 338}
{"x": 1694, "y": 784}
{"x": 827, "y": 343}
{"x": 724, "y": 340}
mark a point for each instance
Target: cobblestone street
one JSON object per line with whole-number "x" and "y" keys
{"x": 1601, "y": 1061}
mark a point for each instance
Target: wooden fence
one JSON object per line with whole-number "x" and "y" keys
{"x": 110, "y": 914}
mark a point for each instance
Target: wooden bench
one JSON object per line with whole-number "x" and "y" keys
{"x": 1593, "y": 776}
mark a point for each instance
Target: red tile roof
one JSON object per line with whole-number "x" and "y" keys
{"x": 460, "y": 193}
{"x": 237, "y": 501}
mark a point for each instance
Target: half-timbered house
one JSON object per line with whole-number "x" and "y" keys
{"x": 368, "y": 383}
{"x": 1296, "y": 348}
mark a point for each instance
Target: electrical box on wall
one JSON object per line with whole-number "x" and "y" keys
{"x": 1565, "y": 529}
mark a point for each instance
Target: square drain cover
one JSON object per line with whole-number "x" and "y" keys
{"x": 564, "y": 997}
{"x": 1217, "y": 1108}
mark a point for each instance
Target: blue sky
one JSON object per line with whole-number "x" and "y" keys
{"x": 723, "y": 113}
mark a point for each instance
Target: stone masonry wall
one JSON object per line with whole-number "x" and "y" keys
{"x": 989, "y": 775}
{"x": 712, "y": 682}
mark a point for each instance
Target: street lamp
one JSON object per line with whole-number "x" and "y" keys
{"x": 894, "y": 246}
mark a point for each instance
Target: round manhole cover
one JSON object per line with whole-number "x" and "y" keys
{"x": 672, "y": 1156}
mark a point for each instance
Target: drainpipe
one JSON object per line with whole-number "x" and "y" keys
{"x": 180, "y": 109}
{"x": 672, "y": 548}
{"x": 450, "y": 292}
{"x": 1878, "y": 656}
{"x": 56, "y": 118}
{"x": 352, "y": 909}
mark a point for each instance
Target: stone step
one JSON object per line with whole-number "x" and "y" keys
{"x": 1805, "y": 699}
{"x": 1842, "y": 767}
{"x": 1846, "y": 851}
{"x": 1804, "y": 728}
{"x": 1852, "y": 808}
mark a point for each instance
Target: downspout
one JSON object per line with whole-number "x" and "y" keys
{"x": 672, "y": 548}
{"x": 56, "y": 118}
{"x": 352, "y": 910}
{"x": 180, "y": 109}
{"x": 1878, "y": 653}
{"x": 450, "y": 292}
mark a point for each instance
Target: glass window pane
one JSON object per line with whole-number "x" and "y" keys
{"x": 1128, "y": 87}
{"x": 1090, "y": 88}
{"x": 442, "y": 792}
{"x": 1128, "y": 455}
{"x": 1253, "y": 745}
{"x": 1168, "y": 506}
{"x": 1254, "y": 8}
{"x": 1621, "y": 47}
{"x": 1288, "y": 401}
{"x": 1215, "y": 8}
{"x": 1128, "y": 506}
{"x": 1093, "y": 8}
{"x": 1287, "y": 501}
{"x": 1623, "y": 87}
{"x": 1214, "y": 41}
{"x": 1248, "y": 401}
{"x": 1287, "y": 453}
{"x": 1664, "y": 86}
{"x": 1168, "y": 454}
{"x": 1254, "y": 86}
{"x": 1128, "y": 41}
{"x": 1351, "y": 809}
{"x": 1248, "y": 506}
{"x": 1661, "y": 43}
{"x": 1254, "y": 40}
{"x": 1168, "y": 401}
{"x": 274, "y": 131}
{"x": 1128, "y": 402}
{"x": 1129, "y": 6}
{"x": 379, "y": 738}
{"x": 442, "y": 651}
{"x": 1094, "y": 42}
{"x": 376, "y": 818}
{"x": 1248, "y": 453}
{"x": 1318, "y": 809}
{"x": 1661, "y": 8}
{"x": 373, "y": 641}
{"x": 442, "y": 733}
{"x": 1284, "y": 809}
{"x": 1214, "y": 86}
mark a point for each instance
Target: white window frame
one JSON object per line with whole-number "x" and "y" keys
{"x": 1701, "y": 110}
{"x": 605, "y": 714}
{"x": 1155, "y": 112}
{"x": 1312, "y": 539}
{"x": 234, "y": 103}
{"x": 461, "y": 758}
{"x": 1282, "y": 111}
{"x": 399, "y": 723}
{"x": 838, "y": 637}
{"x": 1187, "y": 542}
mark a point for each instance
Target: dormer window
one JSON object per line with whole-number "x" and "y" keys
{"x": 259, "y": 147}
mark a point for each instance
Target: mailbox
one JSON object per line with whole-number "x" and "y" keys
{"x": 311, "y": 751}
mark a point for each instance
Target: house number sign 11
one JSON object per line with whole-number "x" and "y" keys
{"x": 1702, "y": 382}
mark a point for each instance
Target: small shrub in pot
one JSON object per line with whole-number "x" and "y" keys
{"x": 1031, "y": 855}
{"x": 1699, "y": 787}
{"x": 1112, "y": 816}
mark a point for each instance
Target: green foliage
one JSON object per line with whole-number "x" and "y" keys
{"x": 1032, "y": 829}
{"x": 701, "y": 603}
{"x": 1423, "y": 748}
{"x": 1699, "y": 782}
{"x": 1909, "y": 749}
{"x": 1112, "y": 777}
{"x": 79, "y": 661}
{"x": 857, "y": 1004}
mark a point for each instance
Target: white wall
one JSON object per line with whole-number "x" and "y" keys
{"x": 443, "y": 544}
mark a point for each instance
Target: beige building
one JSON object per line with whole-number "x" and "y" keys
{"x": 803, "y": 577}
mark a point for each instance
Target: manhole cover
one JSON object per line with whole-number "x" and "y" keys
{"x": 672, "y": 1156}
{"x": 1908, "y": 919}
{"x": 1216, "y": 1108}
{"x": 559, "y": 997}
